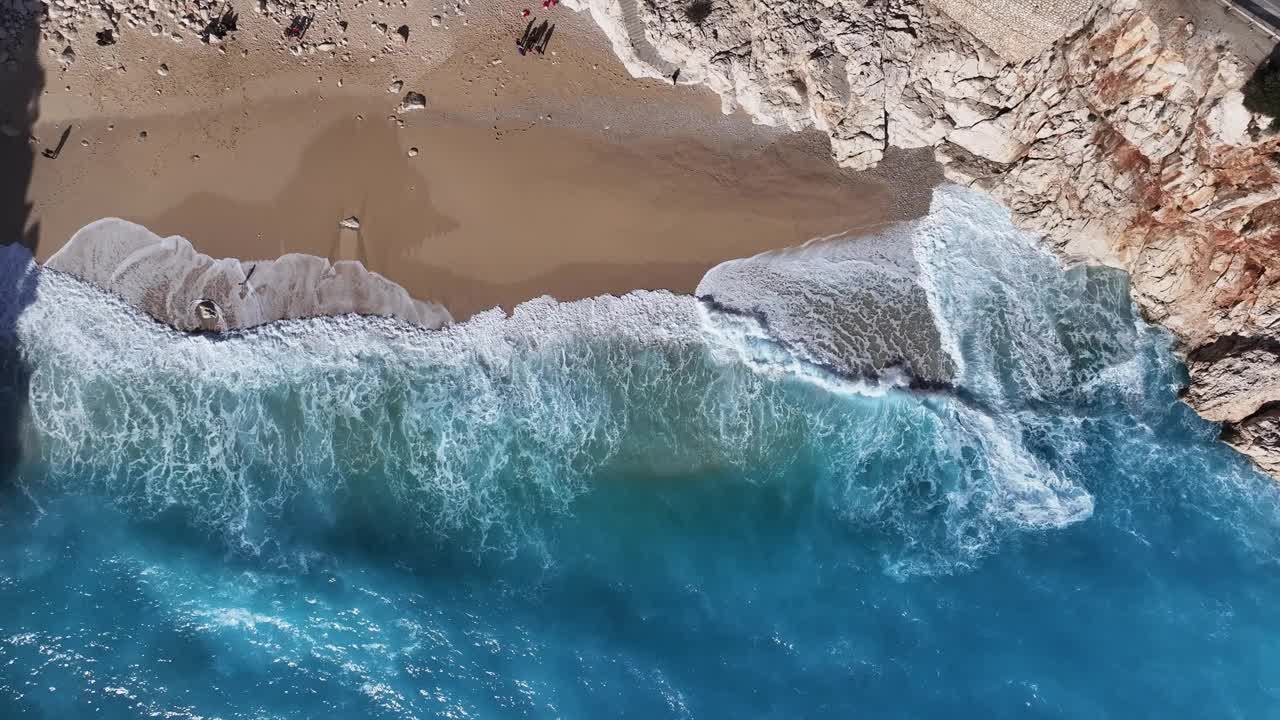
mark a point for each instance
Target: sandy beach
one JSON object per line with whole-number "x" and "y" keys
{"x": 554, "y": 174}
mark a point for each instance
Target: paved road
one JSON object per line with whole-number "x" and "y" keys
{"x": 1265, "y": 11}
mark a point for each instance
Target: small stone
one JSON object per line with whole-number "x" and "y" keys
{"x": 195, "y": 158}
{"x": 68, "y": 56}
{"x": 413, "y": 101}
{"x": 435, "y": 20}
{"x": 396, "y": 86}
{"x": 142, "y": 135}
{"x": 327, "y": 46}
{"x": 413, "y": 152}
{"x": 208, "y": 312}
{"x": 403, "y": 32}
{"x": 163, "y": 70}
{"x": 351, "y": 223}
{"x": 84, "y": 143}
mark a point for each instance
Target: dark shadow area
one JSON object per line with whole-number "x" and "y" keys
{"x": 535, "y": 38}
{"x": 1262, "y": 91}
{"x": 698, "y": 11}
{"x": 21, "y": 82}
{"x": 546, "y": 40}
{"x": 53, "y": 153}
{"x": 221, "y": 25}
{"x": 298, "y": 27}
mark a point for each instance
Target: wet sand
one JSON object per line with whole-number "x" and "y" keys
{"x": 551, "y": 175}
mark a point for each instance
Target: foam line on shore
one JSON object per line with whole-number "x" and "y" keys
{"x": 169, "y": 280}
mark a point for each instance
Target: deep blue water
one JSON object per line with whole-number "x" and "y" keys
{"x": 594, "y": 511}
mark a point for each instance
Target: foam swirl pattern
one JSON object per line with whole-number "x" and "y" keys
{"x": 647, "y": 506}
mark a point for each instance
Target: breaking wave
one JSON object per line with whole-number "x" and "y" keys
{"x": 821, "y": 490}
{"x": 485, "y": 432}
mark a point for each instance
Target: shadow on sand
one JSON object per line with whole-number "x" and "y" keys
{"x": 21, "y": 82}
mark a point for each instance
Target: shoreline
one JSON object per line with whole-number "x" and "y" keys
{"x": 522, "y": 177}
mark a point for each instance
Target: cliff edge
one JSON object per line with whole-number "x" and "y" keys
{"x": 1122, "y": 139}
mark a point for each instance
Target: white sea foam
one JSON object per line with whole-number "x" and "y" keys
{"x": 854, "y": 306}
{"x": 483, "y": 428}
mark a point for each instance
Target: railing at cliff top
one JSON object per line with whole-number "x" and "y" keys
{"x": 1255, "y": 16}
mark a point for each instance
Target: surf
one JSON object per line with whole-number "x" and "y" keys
{"x": 959, "y": 339}
{"x": 654, "y": 500}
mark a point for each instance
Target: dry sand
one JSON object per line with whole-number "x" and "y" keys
{"x": 556, "y": 174}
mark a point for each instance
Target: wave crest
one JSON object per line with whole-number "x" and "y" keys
{"x": 486, "y": 433}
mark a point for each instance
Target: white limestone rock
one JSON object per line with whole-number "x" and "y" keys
{"x": 1119, "y": 145}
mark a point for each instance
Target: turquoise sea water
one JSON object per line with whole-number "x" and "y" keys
{"x": 634, "y": 507}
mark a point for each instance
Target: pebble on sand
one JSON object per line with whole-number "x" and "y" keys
{"x": 163, "y": 70}
{"x": 413, "y": 101}
{"x": 396, "y": 86}
{"x": 351, "y": 223}
{"x": 436, "y": 20}
{"x": 413, "y": 152}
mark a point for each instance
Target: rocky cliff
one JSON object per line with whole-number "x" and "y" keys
{"x": 1123, "y": 141}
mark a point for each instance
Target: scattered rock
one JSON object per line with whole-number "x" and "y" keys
{"x": 68, "y": 56}
{"x": 351, "y": 223}
{"x": 106, "y": 37}
{"x": 396, "y": 86}
{"x": 436, "y": 20}
{"x": 413, "y": 152}
{"x": 413, "y": 101}
{"x": 208, "y": 314}
{"x": 163, "y": 70}
{"x": 403, "y": 32}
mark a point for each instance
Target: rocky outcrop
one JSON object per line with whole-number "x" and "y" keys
{"x": 1121, "y": 143}
{"x": 173, "y": 283}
